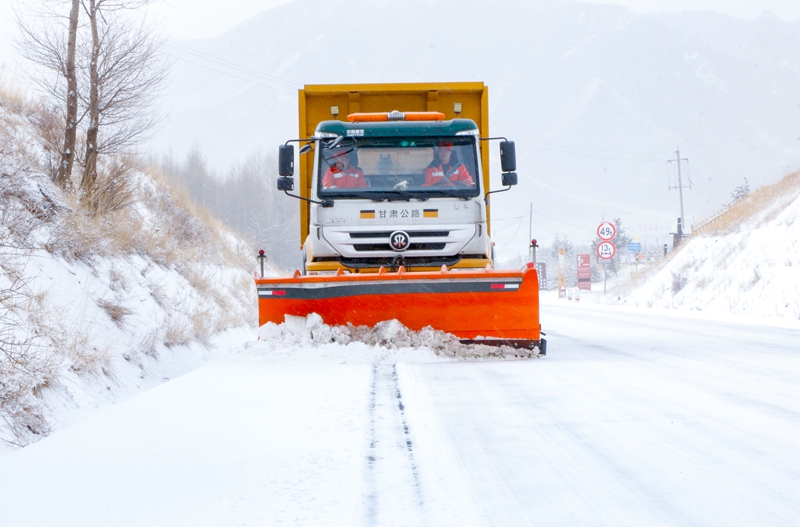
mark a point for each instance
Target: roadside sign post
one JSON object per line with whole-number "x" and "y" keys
{"x": 606, "y": 231}
{"x": 635, "y": 248}
{"x": 606, "y": 249}
{"x": 533, "y": 248}
{"x": 584, "y": 272}
{"x": 262, "y": 259}
{"x": 541, "y": 270}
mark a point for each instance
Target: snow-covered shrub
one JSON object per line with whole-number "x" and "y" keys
{"x": 741, "y": 192}
{"x": 116, "y": 185}
{"x": 25, "y": 375}
{"x": 177, "y": 331}
{"x": 86, "y": 358}
{"x": 149, "y": 344}
{"x": 679, "y": 280}
{"x": 27, "y": 366}
{"x": 116, "y": 310}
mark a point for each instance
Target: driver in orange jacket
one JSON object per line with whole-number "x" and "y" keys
{"x": 342, "y": 174}
{"x": 444, "y": 169}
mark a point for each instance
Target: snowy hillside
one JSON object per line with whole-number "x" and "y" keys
{"x": 747, "y": 262}
{"x": 95, "y": 308}
{"x": 596, "y": 97}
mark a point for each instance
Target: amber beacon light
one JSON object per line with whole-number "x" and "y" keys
{"x": 394, "y": 116}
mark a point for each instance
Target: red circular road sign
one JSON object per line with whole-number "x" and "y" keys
{"x": 606, "y": 231}
{"x": 606, "y": 250}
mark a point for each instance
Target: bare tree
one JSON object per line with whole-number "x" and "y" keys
{"x": 106, "y": 72}
{"x": 89, "y": 181}
{"x": 41, "y": 42}
{"x": 741, "y": 192}
{"x": 125, "y": 73}
{"x": 68, "y": 153}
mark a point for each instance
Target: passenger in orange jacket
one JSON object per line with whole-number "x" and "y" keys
{"x": 444, "y": 169}
{"x": 342, "y": 174}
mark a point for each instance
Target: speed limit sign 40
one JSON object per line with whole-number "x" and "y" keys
{"x": 606, "y": 231}
{"x": 606, "y": 250}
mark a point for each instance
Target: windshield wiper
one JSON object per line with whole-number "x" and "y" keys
{"x": 398, "y": 195}
{"x": 405, "y": 195}
{"x": 422, "y": 196}
{"x": 446, "y": 194}
{"x": 385, "y": 196}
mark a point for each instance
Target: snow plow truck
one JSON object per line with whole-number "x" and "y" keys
{"x": 394, "y": 194}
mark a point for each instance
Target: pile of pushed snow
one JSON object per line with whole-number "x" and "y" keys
{"x": 309, "y": 339}
{"x": 754, "y": 270}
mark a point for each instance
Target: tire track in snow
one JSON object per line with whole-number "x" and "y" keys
{"x": 371, "y": 484}
{"x": 409, "y": 444}
{"x": 392, "y": 476}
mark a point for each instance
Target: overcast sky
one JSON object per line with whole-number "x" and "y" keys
{"x": 188, "y": 19}
{"x": 208, "y": 18}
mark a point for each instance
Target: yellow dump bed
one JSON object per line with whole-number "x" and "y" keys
{"x": 325, "y": 102}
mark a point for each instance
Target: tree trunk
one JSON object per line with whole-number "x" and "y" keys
{"x": 90, "y": 165}
{"x": 64, "y": 173}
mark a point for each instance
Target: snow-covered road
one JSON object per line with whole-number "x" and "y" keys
{"x": 634, "y": 418}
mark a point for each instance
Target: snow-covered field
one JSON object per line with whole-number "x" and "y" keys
{"x": 636, "y": 417}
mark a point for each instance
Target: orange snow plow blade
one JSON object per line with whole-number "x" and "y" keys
{"x": 486, "y": 307}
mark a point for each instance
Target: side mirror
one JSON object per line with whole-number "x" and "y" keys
{"x": 286, "y": 184}
{"x": 285, "y": 161}
{"x": 508, "y": 156}
{"x": 509, "y": 178}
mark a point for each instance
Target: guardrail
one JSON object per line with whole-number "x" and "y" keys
{"x": 707, "y": 224}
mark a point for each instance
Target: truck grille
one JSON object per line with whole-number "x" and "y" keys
{"x": 417, "y": 261}
{"x": 361, "y": 247}
{"x": 413, "y": 234}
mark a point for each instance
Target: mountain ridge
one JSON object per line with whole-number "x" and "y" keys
{"x": 719, "y": 88}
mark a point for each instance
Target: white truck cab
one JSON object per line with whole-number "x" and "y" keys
{"x": 397, "y": 193}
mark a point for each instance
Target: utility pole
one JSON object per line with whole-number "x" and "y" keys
{"x": 530, "y": 222}
{"x": 532, "y": 246}
{"x": 680, "y": 186}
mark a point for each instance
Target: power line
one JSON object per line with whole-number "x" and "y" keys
{"x": 232, "y": 65}
{"x": 562, "y": 221}
{"x": 495, "y": 220}
{"x": 258, "y": 82}
{"x": 509, "y": 219}
{"x": 602, "y": 157}
{"x": 659, "y": 152}
{"x": 594, "y": 153}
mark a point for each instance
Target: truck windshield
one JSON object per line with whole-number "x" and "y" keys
{"x": 399, "y": 168}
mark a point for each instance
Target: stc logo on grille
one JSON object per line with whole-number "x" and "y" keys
{"x": 398, "y": 241}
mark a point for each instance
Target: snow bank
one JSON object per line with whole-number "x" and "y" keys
{"x": 309, "y": 339}
{"x": 95, "y": 307}
{"x": 752, "y": 271}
